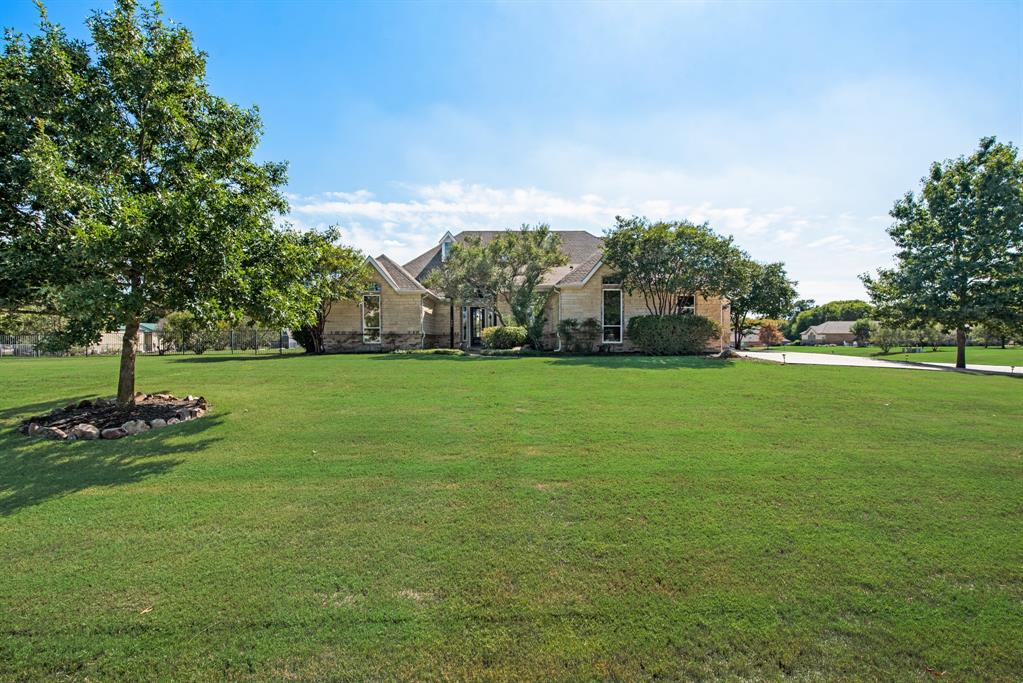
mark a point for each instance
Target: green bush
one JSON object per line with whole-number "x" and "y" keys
{"x": 517, "y": 351}
{"x": 672, "y": 335}
{"x": 507, "y": 337}
{"x": 579, "y": 337}
{"x": 430, "y": 352}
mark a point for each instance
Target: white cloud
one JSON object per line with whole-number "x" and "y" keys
{"x": 405, "y": 226}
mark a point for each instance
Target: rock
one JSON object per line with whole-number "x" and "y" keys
{"x": 113, "y": 433}
{"x": 191, "y": 398}
{"x": 196, "y": 412}
{"x": 184, "y": 414}
{"x": 70, "y": 406}
{"x": 173, "y": 421}
{"x": 139, "y": 397}
{"x": 163, "y": 397}
{"x": 157, "y": 423}
{"x": 57, "y": 411}
{"x": 85, "y": 431}
{"x": 53, "y": 433}
{"x": 135, "y": 427}
{"x": 85, "y": 403}
{"x": 34, "y": 428}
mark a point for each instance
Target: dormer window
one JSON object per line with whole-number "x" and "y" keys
{"x": 445, "y": 250}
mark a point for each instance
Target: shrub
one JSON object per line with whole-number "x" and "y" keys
{"x": 507, "y": 337}
{"x": 672, "y": 335}
{"x": 430, "y": 352}
{"x": 579, "y": 336}
{"x": 517, "y": 351}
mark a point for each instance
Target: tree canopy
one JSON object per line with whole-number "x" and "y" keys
{"x": 762, "y": 289}
{"x": 509, "y": 268}
{"x": 338, "y": 273}
{"x": 129, "y": 190}
{"x": 960, "y": 246}
{"x": 664, "y": 260}
{"x": 848, "y": 309}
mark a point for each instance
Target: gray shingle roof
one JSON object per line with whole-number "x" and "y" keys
{"x": 832, "y": 327}
{"x": 400, "y": 275}
{"x": 576, "y": 275}
{"x": 578, "y": 246}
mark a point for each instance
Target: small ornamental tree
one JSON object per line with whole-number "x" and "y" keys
{"x": 886, "y": 337}
{"x": 960, "y": 247}
{"x": 130, "y": 191}
{"x": 667, "y": 259}
{"x": 770, "y": 335}
{"x": 862, "y": 330}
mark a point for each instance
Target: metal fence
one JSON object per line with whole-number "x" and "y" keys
{"x": 236, "y": 340}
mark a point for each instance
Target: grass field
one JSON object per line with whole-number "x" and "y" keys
{"x": 1012, "y": 355}
{"x": 402, "y": 517}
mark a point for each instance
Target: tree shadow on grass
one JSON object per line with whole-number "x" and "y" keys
{"x": 605, "y": 360}
{"x": 641, "y": 362}
{"x": 33, "y": 409}
{"x": 34, "y": 470}
{"x": 241, "y": 356}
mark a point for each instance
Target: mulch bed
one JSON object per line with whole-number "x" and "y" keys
{"x": 104, "y": 418}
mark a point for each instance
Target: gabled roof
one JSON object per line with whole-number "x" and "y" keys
{"x": 582, "y": 272}
{"x": 578, "y": 246}
{"x": 832, "y": 327}
{"x": 399, "y": 278}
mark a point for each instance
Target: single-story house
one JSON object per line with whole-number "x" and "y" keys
{"x": 830, "y": 332}
{"x": 400, "y": 312}
{"x": 110, "y": 342}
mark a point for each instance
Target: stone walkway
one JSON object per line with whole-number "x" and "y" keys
{"x": 800, "y": 358}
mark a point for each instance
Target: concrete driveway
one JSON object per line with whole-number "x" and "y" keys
{"x": 832, "y": 359}
{"x": 800, "y": 358}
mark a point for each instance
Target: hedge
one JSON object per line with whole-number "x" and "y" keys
{"x": 672, "y": 335}
{"x": 507, "y": 337}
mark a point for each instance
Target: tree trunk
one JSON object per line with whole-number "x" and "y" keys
{"x": 126, "y": 378}
{"x": 960, "y": 347}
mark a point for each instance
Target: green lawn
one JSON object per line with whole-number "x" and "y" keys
{"x": 1012, "y": 355}
{"x": 402, "y": 517}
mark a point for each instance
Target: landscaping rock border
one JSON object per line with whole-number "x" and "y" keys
{"x": 103, "y": 418}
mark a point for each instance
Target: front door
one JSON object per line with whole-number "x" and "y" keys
{"x": 475, "y": 325}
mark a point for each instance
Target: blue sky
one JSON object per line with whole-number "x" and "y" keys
{"x": 792, "y": 126}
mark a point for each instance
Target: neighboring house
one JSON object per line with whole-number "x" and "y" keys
{"x": 110, "y": 342}
{"x": 400, "y": 312}
{"x": 830, "y": 332}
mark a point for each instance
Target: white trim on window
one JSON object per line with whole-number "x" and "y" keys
{"x": 621, "y": 316}
{"x": 367, "y": 330}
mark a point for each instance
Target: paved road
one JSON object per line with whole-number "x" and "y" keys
{"x": 800, "y": 358}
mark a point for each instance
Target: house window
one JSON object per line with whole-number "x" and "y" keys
{"x": 371, "y": 319}
{"x": 611, "y": 316}
{"x": 445, "y": 250}
{"x": 685, "y": 304}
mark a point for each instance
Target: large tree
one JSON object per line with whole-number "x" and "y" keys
{"x": 664, "y": 260}
{"x": 509, "y": 268}
{"x": 339, "y": 273}
{"x": 523, "y": 258}
{"x": 129, "y": 190}
{"x": 960, "y": 246}
{"x": 762, "y": 289}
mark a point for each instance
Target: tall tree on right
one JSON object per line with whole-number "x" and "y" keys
{"x": 960, "y": 246}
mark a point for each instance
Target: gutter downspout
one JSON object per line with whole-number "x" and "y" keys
{"x": 557, "y": 333}
{"x": 422, "y": 321}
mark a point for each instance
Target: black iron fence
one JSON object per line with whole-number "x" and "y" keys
{"x": 230, "y": 340}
